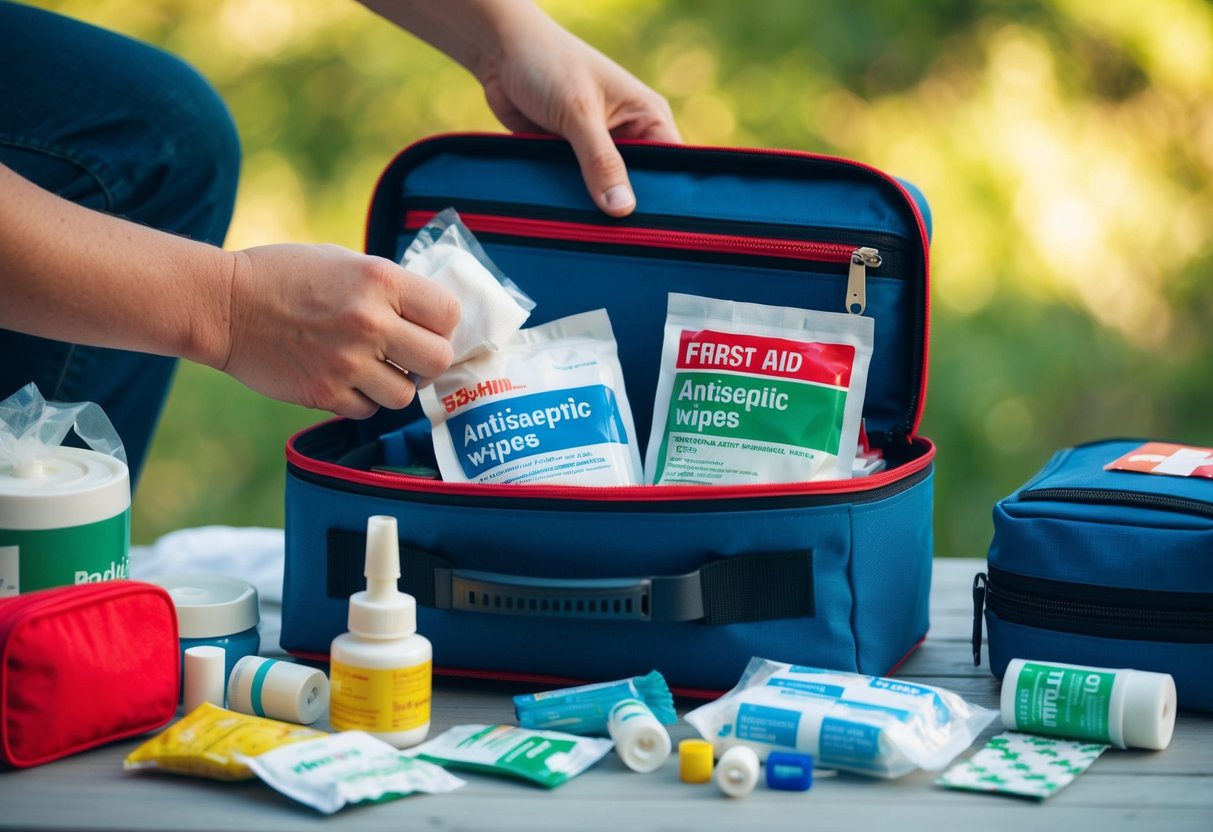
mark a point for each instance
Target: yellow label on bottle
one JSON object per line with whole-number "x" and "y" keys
{"x": 380, "y": 701}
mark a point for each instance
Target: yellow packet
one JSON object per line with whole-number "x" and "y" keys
{"x": 210, "y": 742}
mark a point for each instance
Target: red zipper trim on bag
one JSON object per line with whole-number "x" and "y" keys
{"x": 650, "y": 237}
{"x": 924, "y": 240}
{"x": 619, "y": 493}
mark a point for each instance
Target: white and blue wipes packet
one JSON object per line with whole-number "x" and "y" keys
{"x": 863, "y": 724}
{"x": 548, "y": 407}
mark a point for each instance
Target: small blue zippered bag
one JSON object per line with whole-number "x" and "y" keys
{"x": 1107, "y": 568}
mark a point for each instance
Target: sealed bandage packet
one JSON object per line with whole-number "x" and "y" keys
{"x": 548, "y": 407}
{"x": 863, "y": 724}
{"x": 750, "y": 393}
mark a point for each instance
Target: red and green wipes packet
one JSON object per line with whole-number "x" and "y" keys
{"x": 750, "y": 393}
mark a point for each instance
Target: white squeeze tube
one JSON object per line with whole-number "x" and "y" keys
{"x": 1124, "y": 707}
{"x": 640, "y": 740}
{"x": 549, "y": 407}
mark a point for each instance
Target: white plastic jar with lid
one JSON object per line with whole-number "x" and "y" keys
{"x": 215, "y": 610}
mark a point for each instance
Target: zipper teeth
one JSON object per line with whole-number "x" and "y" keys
{"x": 889, "y": 482}
{"x": 1083, "y": 611}
{"x": 1131, "y": 498}
{"x": 652, "y": 237}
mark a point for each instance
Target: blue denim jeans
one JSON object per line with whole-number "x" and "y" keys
{"x": 121, "y": 127}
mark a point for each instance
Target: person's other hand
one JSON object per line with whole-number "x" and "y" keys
{"x": 317, "y": 325}
{"x": 544, "y": 79}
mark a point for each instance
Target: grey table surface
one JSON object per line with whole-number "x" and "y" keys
{"x": 1137, "y": 790}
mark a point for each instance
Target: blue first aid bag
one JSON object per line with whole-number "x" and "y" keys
{"x": 559, "y": 582}
{"x": 1105, "y": 568}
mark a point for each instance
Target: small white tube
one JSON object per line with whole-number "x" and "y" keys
{"x": 737, "y": 771}
{"x": 205, "y": 676}
{"x": 640, "y": 740}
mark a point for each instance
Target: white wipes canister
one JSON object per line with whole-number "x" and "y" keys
{"x": 64, "y": 519}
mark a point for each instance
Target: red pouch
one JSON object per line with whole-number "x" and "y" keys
{"x": 85, "y": 665}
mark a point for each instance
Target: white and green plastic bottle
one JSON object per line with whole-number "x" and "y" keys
{"x": 1125, "y": 707}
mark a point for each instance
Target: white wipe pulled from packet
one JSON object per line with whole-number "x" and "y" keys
{"x": 548, "y": 407}
{"x": 865, "y": 724}
{"x": 349, "y": 767}
{"x": 750, "y": 393}
{"x": 492, "y": 306}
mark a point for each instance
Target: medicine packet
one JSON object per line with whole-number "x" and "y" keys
{"x": 492, "y": 307}
{"x": 548, "y": 407}
{"x": 334, "y": 770}
{"x": 584, "y": 709}
{"x": 215, "y": 743}
{"x": 548, "y": 758}
{"x": 864, "y": 724}
{"x": 750, "y": 393}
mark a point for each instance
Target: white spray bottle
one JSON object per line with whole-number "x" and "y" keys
{"x": 381, "y": 669}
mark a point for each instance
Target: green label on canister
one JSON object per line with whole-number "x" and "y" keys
{"x": 32, "y": 559}
{"x": 1063, "y": 701}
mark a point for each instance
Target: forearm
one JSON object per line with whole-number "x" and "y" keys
{"x": 73, "y": 274}
{"x": 471, "y": 32}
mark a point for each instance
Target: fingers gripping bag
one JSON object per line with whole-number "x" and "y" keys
{"x": 548, "y": 407}
{"x": 750, "y": 393}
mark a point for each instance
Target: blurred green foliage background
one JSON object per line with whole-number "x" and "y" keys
{"x": 1066, "y": 147}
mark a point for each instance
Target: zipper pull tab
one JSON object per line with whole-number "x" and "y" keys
{"x": 857, "y": 278}
{"x": 979, "y": 604}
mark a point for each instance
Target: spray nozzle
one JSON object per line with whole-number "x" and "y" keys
{"x": 382, "y": 610}
{"x": 382, "y": 567}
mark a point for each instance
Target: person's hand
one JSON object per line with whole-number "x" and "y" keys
{"x": 544, "y": 79}
{"x": 317, "y": 325}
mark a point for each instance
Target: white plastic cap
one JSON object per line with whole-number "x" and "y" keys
{"x": 1150, "y": 703}
{"x": 205, "y": 676}
{"x": 737, "y": 771}
{"x": 209, "y": 606}
{"x": 382, "y": 610}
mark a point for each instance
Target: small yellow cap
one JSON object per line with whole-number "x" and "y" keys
{"x": 695, "y": 761}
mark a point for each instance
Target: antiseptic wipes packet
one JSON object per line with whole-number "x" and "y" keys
{"x": 750, "y": 393}
{"x": 548, "y": 407}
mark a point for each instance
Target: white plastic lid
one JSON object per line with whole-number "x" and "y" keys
{"x": 737, "y": 771}
{"x": 1150, "y": 703}
{"x": 73, "y": 487}
{"x": 389, "y": 618}
{"x": 209, "y": 606}
{"x": 205, "y": 672}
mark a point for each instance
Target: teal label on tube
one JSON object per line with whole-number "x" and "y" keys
{"x": 1062, "y": 701}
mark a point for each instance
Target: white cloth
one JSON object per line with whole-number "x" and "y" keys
{"x": 489, "y": 314}
{"x": 252, "y": 554}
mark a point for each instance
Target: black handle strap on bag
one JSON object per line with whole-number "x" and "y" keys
{"x": 726, "y": 590}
